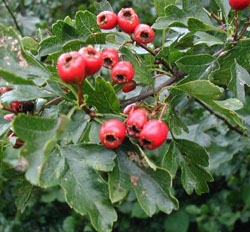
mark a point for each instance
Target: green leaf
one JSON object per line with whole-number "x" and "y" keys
{"x": 192, "y": 159}
{"x": 233, "y": 53}
{"x": 230, "y": 104}
{"x": 142, "y": 74}
{"x": 71, "y": 36}
{"x": 240, "y": 78}
{"x": 160, "y": 6}
{"x": 205, "y": 38}
{"x": 102, "y": 96}
{"x": 224, "y": 7}
{"x": 40, "y": 135}
{"x": 195, "y": 24}
{"x": 152, "y": 187}
{"x": 102, "y": 6}
{"x": 24, "y": 93}
{"x": 197, "y": 66}
{"x": 86, "y": 191}
{"x": 23, "y": 192}
{"x": 194, "y": 8}
{"x": 201, "y": 89}
{"x": 175, "y": 16}
{"x": 17, "y": 66}
{"x": 77, "y": 125}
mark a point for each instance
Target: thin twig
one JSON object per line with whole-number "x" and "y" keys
{"x": 150, "y": 92}
{"x": 13, "y": 17}
{"x": 229, "y": 125}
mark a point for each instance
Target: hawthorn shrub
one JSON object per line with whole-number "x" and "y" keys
{"x": 190, "y": 75}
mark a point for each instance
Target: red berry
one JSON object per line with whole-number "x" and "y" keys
{"x": 136, "y": 121}
{"x": 239, "y": 4}
{"x": 130, "y": 108}
{"x": 17, "y": 143}
{"x": 110, "y": 57}
{"x": 153, "y": 134}
{"x": 129, "y": 86}
{"x": 144, "y": 34}
{"x": 127, "y": 20}
{"x": 22, "y": 106}
{"x": 122, "y": 72}
{"x": 71, "y": 67}
{"x": 4, "y": 90}
{"x": 112, "y": 133}
{"x": 106, "y": 20}
{"x": 93, "y": 59}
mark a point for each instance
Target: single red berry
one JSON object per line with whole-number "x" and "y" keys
{"x": 153, "y": 134}
{"x": 110, "y": 57}
{"x": 144, "y": 34}
{"x": 127, "y": 20}
{"x": 122, "y": 72}
{"x": 9, "y": 117}
{"x": 106, "y": 20}
{"x": 17, "y": 143}
{"x": 112, "y": 133}
{"x": 129, "y": 86}
{"x": 93, "y": 59}
{"x": 239, "y": 4}
{"x": 129, "y": 108}
{"x": 71, "y": 67}
{"x": 22, "y": 106}
{"x": 136, "y": 121}
{"x": 4, "y": 90}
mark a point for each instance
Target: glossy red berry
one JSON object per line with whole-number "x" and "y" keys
{"x": 129, "y": 108}
{"x": 71, "y": 67}
{"x": 112, "y": 133}
{"x": 144, "y": 34}
{"x": 122, "y": 72}
{"x": 129, "y": 86}
{"x": 93, "y": 59}
{"x": 136, "y": 121}
{"x": 110, "y": 57}
{"x": 127, "y": 20}
{"x": 106, "y": 20}
{"x": 153, "y": 134}
{"x": 22, "y": 106}
{"x": 239, "y": 4}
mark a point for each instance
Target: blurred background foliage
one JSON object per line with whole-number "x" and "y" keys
{"x": 225, "y": 208}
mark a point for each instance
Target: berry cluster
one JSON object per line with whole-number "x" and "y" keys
{"x": 73, "y": 67}
{"x": 128, "y": 21}
{"x": 239, "y": 4}
{"x": 151, "y": 133}
{"x": 15, "y": 108}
